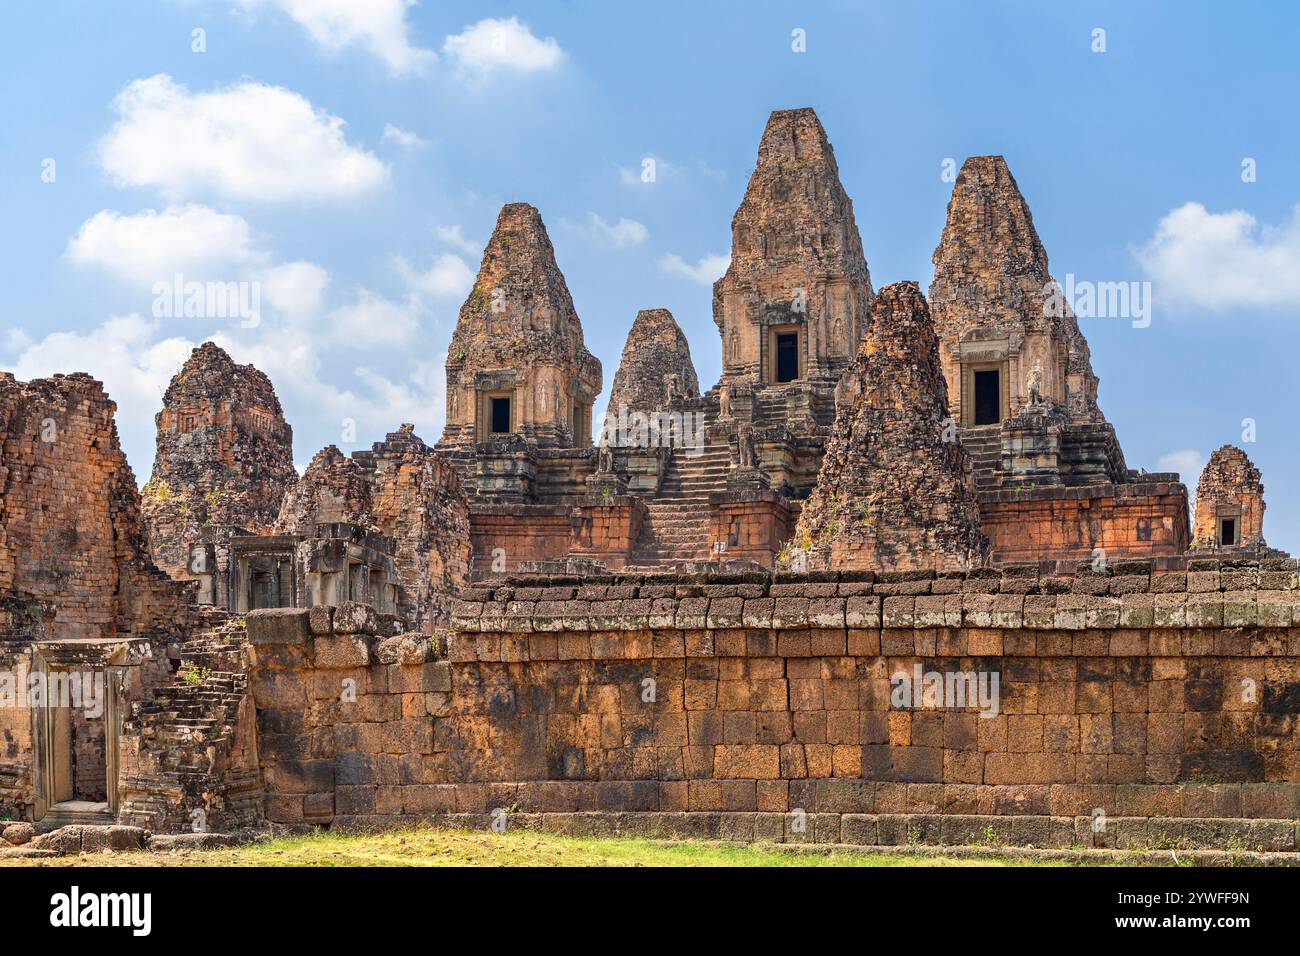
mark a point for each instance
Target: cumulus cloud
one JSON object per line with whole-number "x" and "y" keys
{"x": 452, "y": 236}
{"x": 705, "y": 271}
{"x": 447, "y": 278}
{"x": 501, "y": 46}
{"x": 620, "y": 235}
{"x": 403, "y": 138}
{"x": 373, "y": 321}
{"x": 150, "y": 246}
{"x": 127, "y": 355}
{"x": 1188, "y": 462}
{"x": 379, "y": 27}
{"x": 1225, "y": 260}
{"x": 249, "y": 141}
{"x": 296, "y": 290}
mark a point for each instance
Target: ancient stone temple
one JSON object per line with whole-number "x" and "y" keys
{"x": 795, "y": 298}
{"x": 85, "y": 616}
{"x": 1049, "y": 470}
{"x": 1229, "y": 504}
{"x": 793, "y": 303}
{"x": 517, "y": 367}
{"x": 70, "y": 520}
{"x": 879, "y": 494}
{"x": 224, "y": 460}
{"x": 894, "y": 490}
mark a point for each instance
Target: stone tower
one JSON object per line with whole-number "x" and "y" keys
{"x": 893, "y": 492}
{"x": 1229, "y": 503}
{"x": 517, "y": 364}
{"x": 795, "y": 299}
{"x": 656, "y": 371}
{"x": 994, "y": 310}
{"x": 224, "y": 456}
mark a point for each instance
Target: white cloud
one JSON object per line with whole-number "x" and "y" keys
{"x": 649, "y": 171}
{"x": 373, "y": 321}
{"x": 1188, "y": 462}
{"x": 1222, "y": 261}
{"x": 501, "y": 46}
{"x": 125, "y": 354}
{"x": 403, "y": 138}
{"x": 377, "y": 26}
{"x": 705, "y": 271}
{"x": 620, "y": 235}
{"x": 151, "y": 246}
{"x": 250, "y": 141}
{"x": 447, "y": 278}
{"x": 296, "y": 290}
{"x": 452, "y": 236}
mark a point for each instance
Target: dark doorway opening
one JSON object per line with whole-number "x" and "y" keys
{"x": 1228, "y": 532}
{"x": 787, "y": 356}
{"x": 988, "y": 401}
{"x": 500, "y": 416}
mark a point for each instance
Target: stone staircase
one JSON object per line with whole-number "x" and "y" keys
{"x": 187, "y": 736}
{"x": 984, "y": 445}
{"x": 676, "y": 524}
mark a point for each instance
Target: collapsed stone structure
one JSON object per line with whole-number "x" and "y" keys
{"x": 1229, "y": 504}
{"x": 993, "y": 628}
{"x": 411, "y": 496}
{"x": 894, "y": 489}
{"x": 83, "y": 610}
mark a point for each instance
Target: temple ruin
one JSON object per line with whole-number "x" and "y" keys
{"x": 1229, "y": 505}
{"x": 697, "y": 617}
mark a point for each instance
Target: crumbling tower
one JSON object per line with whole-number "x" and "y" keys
{"x": 893, "y": 493}
{"x": 1229, "y": 503}
{"x": 656, "y": 370}
{"x": 224, "y": 460}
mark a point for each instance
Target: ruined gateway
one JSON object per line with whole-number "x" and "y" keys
{"x": 689, "y": 619}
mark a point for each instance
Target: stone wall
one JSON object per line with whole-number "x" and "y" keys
{"x": 745, "y": 706}
{"x": 70, "y": 525}
{"x": 1135, "y": 520}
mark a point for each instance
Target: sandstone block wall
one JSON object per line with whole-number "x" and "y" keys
{"x": 1134, "y": 520}
{"x": 728, "y": 706}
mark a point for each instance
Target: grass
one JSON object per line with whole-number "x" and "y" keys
{"x": 474, "y": 848}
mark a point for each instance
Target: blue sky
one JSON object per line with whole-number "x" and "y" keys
{"x": 350, "y": 158}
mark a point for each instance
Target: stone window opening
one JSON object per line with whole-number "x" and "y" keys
{"x": 187, "y": 422}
